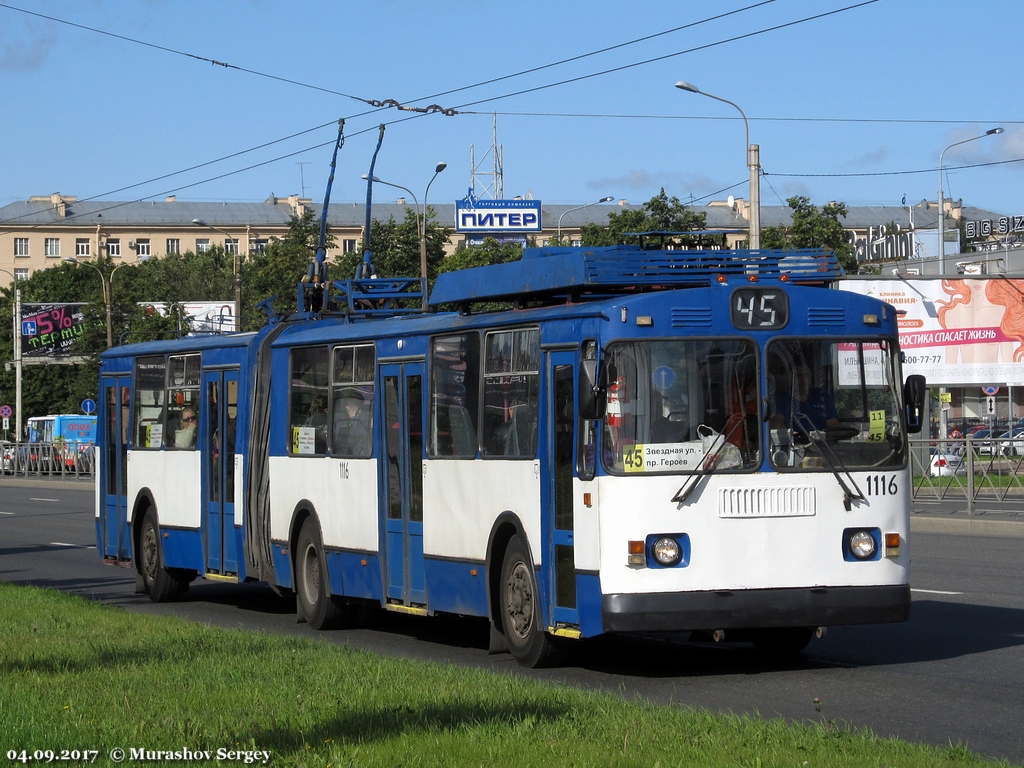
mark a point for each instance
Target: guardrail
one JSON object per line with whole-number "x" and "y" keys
{"x": 991, "y": 468}
{"x": 59, "y": 459}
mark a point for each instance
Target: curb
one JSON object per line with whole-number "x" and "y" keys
{"x": 77, "y": 484}
{"x": 971, "y": 526}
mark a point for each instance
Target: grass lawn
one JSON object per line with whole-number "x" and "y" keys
{"x": 76, "y": 675}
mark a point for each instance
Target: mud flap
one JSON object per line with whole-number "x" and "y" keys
{"x": 497, "y": 643}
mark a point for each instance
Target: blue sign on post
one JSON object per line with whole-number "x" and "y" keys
{"x": 990, "y": 391}
{"x": 472, "y": 215}
{"x": 88, "y": 406}
{"x": 28, "y": 328}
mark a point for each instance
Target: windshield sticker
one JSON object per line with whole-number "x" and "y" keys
{"x": 662, "y": 457}
{"x": 876, "y": 426}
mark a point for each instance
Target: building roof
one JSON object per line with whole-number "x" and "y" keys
{"x": 276, "y": 212}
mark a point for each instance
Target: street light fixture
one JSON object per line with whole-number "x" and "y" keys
{"x": 753, "y": 162}
{"x": 558, "y": 236}
{"x": 421, "y": 220}
{"x": 942, "y": 212}
{"x": 942, "y": 258}
{"x": 107, "y": 283}
{"x": 236, "y": 270}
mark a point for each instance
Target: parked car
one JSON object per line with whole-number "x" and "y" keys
{"x": 948, "y": 465}
{"x": 1012, "y": 442}
{"x": 983, "y": 443}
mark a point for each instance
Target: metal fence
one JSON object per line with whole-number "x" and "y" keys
{"x": 58, "y": 459}
{"x": 988, "y": 469}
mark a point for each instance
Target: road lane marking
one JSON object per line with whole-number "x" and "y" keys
{"x": 935, "y": 592}
{"x": 6, "y": 513}
{"x": 31, "y": 499}
{"x": 65, "y": 544}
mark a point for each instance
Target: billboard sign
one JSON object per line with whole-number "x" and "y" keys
{"x": 203, "y": 316}
{"x": 472, "y": 215}
{"x": 48, "y": 330}
{"x": 956, "y": 332}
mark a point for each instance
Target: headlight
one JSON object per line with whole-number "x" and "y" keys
{"x": 666, "y": 551}
{"x": 862, "y": 545}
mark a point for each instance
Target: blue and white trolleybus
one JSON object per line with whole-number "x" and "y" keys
{"x": 641, "y": 441}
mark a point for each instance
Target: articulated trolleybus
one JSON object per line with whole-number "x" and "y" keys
{"x": 642, "y": 442}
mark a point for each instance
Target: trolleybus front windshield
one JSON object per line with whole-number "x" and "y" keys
{"x": 699, "y": 404}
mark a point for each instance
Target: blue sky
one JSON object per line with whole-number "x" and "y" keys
{"x": 845, "y": 107}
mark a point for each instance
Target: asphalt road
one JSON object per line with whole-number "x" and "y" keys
{"x": 953, "y": 674}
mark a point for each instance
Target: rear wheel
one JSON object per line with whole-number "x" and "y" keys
{"x": 161, "y": 584}
{"x": 312, "y": 586}
{"x": 521, "y": 616}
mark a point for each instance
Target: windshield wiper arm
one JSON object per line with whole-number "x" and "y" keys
{"x": 815, "y": 436}
{"x": 707, "y": 463}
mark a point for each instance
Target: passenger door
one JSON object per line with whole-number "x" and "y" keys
{"x": 112, "y": 525}
{"x": 561, "y": 437}
{"x": 218, "y": 416}
{"x": 401, "y": 471}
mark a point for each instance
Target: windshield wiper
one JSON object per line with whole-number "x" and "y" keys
{"x": 817, "y": 437}
{"x": 707, "y": 463}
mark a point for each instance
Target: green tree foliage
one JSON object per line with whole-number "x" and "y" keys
{"x": 145, "y": 305}
{"x": 276, "y": 272}
{"x": 395, "y": 248}
{"x": 813, "y": 227}
{"x": 659, "y": 214}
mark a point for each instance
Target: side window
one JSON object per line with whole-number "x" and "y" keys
{"x": 352, "y": 401}
{"x": 182, "y": 401}
{"x": 148, "y": 423}
{"x": 454, "y": 395}
{"x": 511, "y": 398}
{"x": 308, "y": 418}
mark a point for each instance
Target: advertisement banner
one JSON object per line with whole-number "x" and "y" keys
{"x": 472, "y": 215}
{"x": 956, "y": 332}
{"x": 48, "y": 330}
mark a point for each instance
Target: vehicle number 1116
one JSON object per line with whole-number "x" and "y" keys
{"x": 882, "y": 485}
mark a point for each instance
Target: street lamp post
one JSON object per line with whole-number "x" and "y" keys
{"x": 236, "y": 269}
{"x": 753, "y": 162}
{"x": 558, "y": 235}
{"x": 107, "y": 283}
{"x": 16, "y": 318}
{"x": 942, "y": 260}
{"x": 421, "y": 219}
{"x": 942, "y": 212}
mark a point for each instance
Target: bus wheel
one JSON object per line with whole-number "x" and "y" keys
{"x": 161, "y": 585}
{"x": 528, "y": 642}
{"x": 312, "y": 585}
{"x": 782, "y": 642}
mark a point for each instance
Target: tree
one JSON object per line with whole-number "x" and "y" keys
{"x": 659, "y": 214}
{"x": 813, "y": 228}
{"x": 276, "y": 271}
{"x": 395, "y": 248}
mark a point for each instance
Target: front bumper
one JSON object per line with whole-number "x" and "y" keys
{"x": 755, "y": 608}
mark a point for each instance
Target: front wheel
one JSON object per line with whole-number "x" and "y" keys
{"x": 521, "y": 617}
{"x": 162, "y": 585}
{"x": 312, "y": 584}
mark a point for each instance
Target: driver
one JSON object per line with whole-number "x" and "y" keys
{"x": 809, "y": 407}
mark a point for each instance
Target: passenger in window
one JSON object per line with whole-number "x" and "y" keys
{"x": 185, "y": 434}
{"x": 318, "y": 419}
{"x": 351, "y": 424}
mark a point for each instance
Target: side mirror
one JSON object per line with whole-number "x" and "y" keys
{"x": 914, "y": 393}
{"x": 593, "y": 386}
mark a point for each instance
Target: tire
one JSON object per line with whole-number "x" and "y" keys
{"x": 162, "y": 585}
{"x": 521, "y": 618}
{"x": 782, "y": 642}
{"x": 315, "y": 603}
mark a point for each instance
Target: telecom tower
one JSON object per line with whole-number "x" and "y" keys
{"x": 496, "y": 189}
